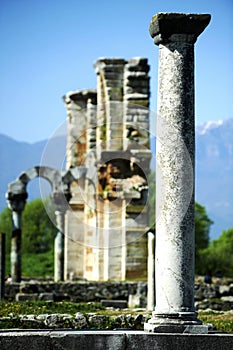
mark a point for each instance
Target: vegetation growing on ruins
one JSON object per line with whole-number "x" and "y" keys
{"x": 14, "y": 315}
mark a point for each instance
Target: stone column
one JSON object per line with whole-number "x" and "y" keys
{"x": 175, "y": 34}
{"x": 16, "y": 203}
{"x": 110, "y": 102}
{"x": 136, "y": 104}
{"x": 59, "y": 248}
{"x": 151, "y": 271}
{"x": 60, "y": 204}
{"x": 2, "y": 264}
{"x": 76, "y": 106}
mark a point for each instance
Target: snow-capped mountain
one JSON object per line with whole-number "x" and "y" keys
{"x": 206, "y": 127}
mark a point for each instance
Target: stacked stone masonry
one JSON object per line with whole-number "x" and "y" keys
{"x": 108, "y": 133}
{"x": 217, "y": 296}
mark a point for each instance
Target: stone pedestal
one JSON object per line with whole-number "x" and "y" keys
{"x": 175, "y": 34}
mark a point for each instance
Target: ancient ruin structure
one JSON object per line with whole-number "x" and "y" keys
{"x": 175, "y": 34}
{"x": 101, "y": 233}
{"x": 108, "y": 133}
{"x": 16, "y": 198}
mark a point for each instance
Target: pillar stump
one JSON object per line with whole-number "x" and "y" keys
{"x": 175, "y": 34}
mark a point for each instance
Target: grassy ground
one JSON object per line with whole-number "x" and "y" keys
{"x": 222, "y": 321}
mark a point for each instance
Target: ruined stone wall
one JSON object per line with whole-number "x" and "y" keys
{"x": 218, "y": 296}
{"x": 109, "y": 131}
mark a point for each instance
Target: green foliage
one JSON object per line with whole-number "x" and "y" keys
{"x": 202, "y": 228}
{"x": 219, "y": 254}
{"x": 38, "y": 265}
{"x": 38, "y": 233}
{"x": 38, "y": 230}
{"x": 5, "y": 226}
{"x": 35, "y": 265}
{"x": 45, "y": 307}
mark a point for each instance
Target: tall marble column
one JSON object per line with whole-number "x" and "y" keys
{"x": 175, "y": 34}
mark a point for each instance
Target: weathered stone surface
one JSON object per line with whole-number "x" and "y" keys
{"x": 121, "y": 304}
{"x": 80, "y": 321}
{"x": 175, "y": 34}
{"x": 134, "y": 292}
{"x": 117, "y": 340}
{"x": 114, "y": 120}
{"x": 164, "y": 25}
{"x": 26, "y": 297}
{"x": 46, "y": 297}
{"x": 203, "y": 291}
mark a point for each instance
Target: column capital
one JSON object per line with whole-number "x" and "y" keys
{"x": 107, "y": 65}
{"x": 177, "y": 27}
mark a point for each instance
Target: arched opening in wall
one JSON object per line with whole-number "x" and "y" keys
{"x": 38, "y": 232}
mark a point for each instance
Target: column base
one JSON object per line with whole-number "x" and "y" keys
{"x": 184, "y": 322}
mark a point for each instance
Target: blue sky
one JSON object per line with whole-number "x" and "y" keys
{"x": 48, "y": 48}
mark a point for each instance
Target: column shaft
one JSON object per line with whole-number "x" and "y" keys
{"x": 59, "y": 248}
{"x": 175, "y": 164}
{"x": 16, "y": 246}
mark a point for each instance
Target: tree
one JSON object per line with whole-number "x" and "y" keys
{"x": 5, "y": 226}
{"x": 219, "y": 254}
{"x": 202, "y": 228}
{"x": 38, "y": 231}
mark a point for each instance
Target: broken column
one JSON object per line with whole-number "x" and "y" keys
{"x": 16, "y": 202}
{"x": 175, "y": 34}
{"x": 81, "y": 106}
{"x": 110, "y": 107}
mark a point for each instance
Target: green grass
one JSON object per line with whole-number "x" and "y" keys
{"x": 46, "y": 307}
{"x": 222, "y": 321}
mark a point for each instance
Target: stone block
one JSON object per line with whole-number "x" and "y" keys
{"x": 117, "y": 340}
{"x": 46, "y": 297}
{"x": 224, "y": 290}
{"x": 26, "y": 297}
{"x": 119, "y": 304}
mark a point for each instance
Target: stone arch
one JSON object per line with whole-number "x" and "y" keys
{"x": 16, "y": 197}
{"x": 53, "y": 176}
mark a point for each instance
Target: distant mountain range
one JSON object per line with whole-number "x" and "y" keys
{"x": 214, "y": 168}
{"x": 214, "y": 172}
